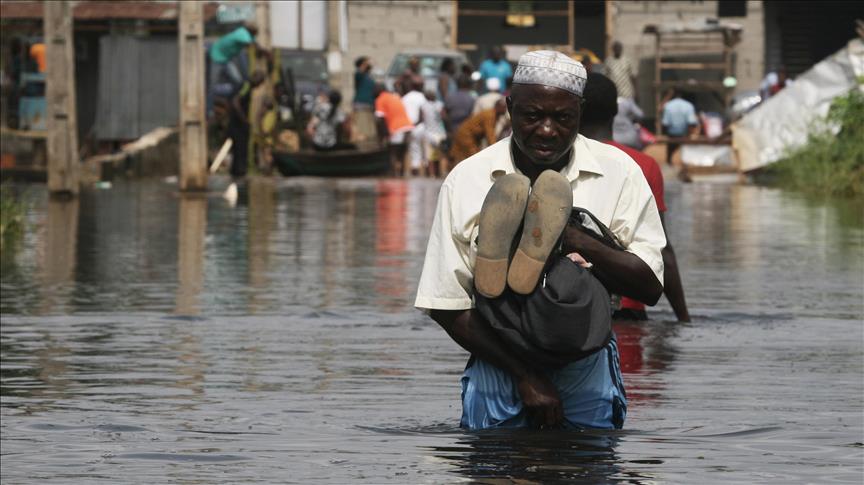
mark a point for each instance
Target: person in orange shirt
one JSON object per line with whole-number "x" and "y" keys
{"x": 37, "y": 53}
{"x": 390, "y": 112}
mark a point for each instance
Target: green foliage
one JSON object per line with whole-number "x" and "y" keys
{"x": 829, "y": 163}
{"x": 11, "y": 219}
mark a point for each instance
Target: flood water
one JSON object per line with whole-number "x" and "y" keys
{"x": 149, "y": 338}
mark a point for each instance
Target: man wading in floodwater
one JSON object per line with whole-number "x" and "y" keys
{"x": 502, "y": 387}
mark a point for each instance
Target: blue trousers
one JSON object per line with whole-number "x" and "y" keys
{"x": 591, "y": 391}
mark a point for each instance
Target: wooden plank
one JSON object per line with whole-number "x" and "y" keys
{"x": 693, "y": 65}
{"x": 193, "y": 126}
{"x": 504, "y": 13}
{"x": 454, "y": 24}
{"x": 62, "y": 126}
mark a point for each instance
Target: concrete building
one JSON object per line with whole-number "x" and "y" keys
{"x": 381, "y": 29}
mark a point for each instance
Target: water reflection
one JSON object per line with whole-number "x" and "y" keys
{"x": 531, "y": 457}
{"x": 191, "y": 231}
{"x": 645, "y": 351}
{"x": 390, "y": 244}
{"x": 59, "y": 251}
{"x": 261, "y": 216}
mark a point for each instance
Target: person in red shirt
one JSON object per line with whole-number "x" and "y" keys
{"x": 598, "y": 112}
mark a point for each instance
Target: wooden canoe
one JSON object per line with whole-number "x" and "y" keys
{"x": 337, "y": 163}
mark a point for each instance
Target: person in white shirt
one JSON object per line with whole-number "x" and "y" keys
{"x": 500, "y": 387}
{"x": 414, "y": 101}
{"x": 488, "y": 100}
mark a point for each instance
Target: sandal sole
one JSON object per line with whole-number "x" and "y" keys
{"x": 546, "y": 215}
{"x": 500, "y": 218}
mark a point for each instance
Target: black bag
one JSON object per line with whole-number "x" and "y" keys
{"x": 567, "y": 317}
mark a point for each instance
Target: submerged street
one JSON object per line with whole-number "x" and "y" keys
{"x": 150, "y": 338}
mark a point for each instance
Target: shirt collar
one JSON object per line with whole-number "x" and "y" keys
{"x": 581, "y": 160}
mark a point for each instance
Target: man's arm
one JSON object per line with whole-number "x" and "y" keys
{"x": 620, "y": 272}
{"x": 672, "y": 279}
{"x": 468, "y": 329}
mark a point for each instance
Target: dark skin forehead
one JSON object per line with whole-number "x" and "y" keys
{"x": 541, "y": 97}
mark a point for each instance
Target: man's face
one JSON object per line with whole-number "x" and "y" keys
{"x": 495, "y": 54}
{"x": 616, "y": 49}
{"x": 545, "y": 121}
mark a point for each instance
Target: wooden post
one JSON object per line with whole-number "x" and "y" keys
{"x": 193, "y": 124}
{"x": 62, "y": 123}
{"x": 262, "y": 19}
{"x": 610, "y": 28}
{"x": 334, "y": 51}
{"x": 191, "y": 231}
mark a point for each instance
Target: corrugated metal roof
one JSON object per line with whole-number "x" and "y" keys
{"x": 103, "y": 10}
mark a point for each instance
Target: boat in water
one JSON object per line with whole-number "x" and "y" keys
{"x": 363, "y": 161}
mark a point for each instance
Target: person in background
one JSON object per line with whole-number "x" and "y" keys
{"x": 447, "y": 79}
{"x": 598, "y": 118}
{"x": 434, "y": 134}
{"x": 773, "y": 82}
{"x": 37, "y": 54}
{"x": 478, "y": 128}
{"x": 225, "y": 50}
{"x": 488, "y": 100}
{"x": 364, "y": 85}
{"x": 620, "y": 70}
{"x": 496, "y": 67}
{"x": 410, "y": 77}
{"x": 393, "y": 124}
{"x": 239, "y": 126}
{"x": 679, "y": 115}
{"x": 459, "y": 105}
{"x": 364, "y": 99}
{"x": 413, "y": 101}
{"x": 329, "y": 127}
{"x": 625, "y": 128}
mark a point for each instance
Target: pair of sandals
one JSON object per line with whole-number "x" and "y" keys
{"x": 541, "y": 210}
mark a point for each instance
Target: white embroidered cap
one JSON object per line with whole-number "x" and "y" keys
{"x": 551, "y": 68}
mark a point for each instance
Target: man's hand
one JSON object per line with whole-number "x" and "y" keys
{"x": 620, "y": 272}
{"x": 541, "y": 400}
{"x": 578, "y": 259}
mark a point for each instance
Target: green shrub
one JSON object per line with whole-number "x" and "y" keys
{"x": 829, "y": 163}
{"x": 11, "y": 219}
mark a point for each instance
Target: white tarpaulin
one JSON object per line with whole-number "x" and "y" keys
{"x": 784, "y": 121}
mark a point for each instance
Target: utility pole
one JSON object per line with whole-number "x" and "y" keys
{"x": 262, "y": 20}
{"x": 193, "y": 124}
{"x": 62, "y": 122}
{"x": 334, "y": 50}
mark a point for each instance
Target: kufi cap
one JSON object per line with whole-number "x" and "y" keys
{"x": 551, "y": 68}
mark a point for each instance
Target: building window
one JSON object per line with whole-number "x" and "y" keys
{"x": 732, "y": 8}
{"x": 519, "y": 14}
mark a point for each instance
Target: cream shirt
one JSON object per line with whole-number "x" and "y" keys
{"x": 605, "y": 180}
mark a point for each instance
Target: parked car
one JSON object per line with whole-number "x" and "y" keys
{"x": 430, "y": 65}
{"x": 308, "y": 71}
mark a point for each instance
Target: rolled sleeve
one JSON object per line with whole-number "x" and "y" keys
{"x": 637, "y": 224}
{"x": 446, "y": 279}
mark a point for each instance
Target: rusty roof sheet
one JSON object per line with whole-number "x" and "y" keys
{"x": 104, "y": 10}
